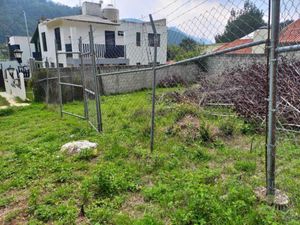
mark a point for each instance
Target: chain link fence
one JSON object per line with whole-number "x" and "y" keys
{"x": 236, "y": 60}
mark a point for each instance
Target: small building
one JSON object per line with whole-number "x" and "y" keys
{"x": 21, "y": 42}
{"x": 139, "y": 41}
{"x": 116, "y": 41}
{"x": 257, "y": 35}
{"x": 290, "y": 35}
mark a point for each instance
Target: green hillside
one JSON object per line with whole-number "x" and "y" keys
{"x": 12, "y": 19}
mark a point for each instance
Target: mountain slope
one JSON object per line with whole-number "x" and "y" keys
{"x": 12, "y": 19}
{"x": 175, "y": 36}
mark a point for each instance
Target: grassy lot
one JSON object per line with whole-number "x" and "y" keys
{"x": 3, "y": 101}
{"x": 203, "y": 170}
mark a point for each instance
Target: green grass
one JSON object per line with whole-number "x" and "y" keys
{"x": 3, "y": 102}
{"x": 184, "y": 181}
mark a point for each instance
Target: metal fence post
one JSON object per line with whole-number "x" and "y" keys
{"x": 271, "y": 145}
{"x": 59, "y": 80}
{"x": 47, "y": 81}
{"x": 85, "y": 99}
{"x": 153, "y": 85}
{"x": 94, "y": 65}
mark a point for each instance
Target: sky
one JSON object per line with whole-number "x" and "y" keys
{"x": 201, "y": 18}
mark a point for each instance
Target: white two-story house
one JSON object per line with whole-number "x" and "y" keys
{"x": 117, "y": 42}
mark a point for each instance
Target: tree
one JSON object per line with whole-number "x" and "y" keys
{"x": 241, "y": 23}
{"x": 285, "y": 23}
{"x": 188, "y": 44}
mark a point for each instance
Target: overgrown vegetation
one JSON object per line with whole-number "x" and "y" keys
{"x": 205, "y": 180}
{"x": 188, "y": 48}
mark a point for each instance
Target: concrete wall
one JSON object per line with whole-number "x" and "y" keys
{"x": 218, "y": 64}
{"x": 129, "y": 82}
{"x": 122, "y": 83}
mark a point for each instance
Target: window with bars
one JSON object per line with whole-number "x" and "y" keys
{"x": 151, "y": 40}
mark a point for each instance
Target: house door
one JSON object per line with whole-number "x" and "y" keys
{"x": 110, "y": 42}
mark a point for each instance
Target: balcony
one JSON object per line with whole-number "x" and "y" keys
{"x": 37, "y": 56}
{"x": 105, "y": 54}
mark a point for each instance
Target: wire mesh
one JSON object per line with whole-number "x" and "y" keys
{"x": 233, "y": 84}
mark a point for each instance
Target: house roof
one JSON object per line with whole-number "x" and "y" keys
{"x": 291, "y": 33}
{"x": 84, "y": 18}
{"x": 237, "y": 43}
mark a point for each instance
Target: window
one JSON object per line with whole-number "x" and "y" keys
{"x": 57, "y": 38}
{"x": 52, "y": 65}
{"x": 69, "y": 49}
{"x": 138, "y": 39}
{"x": 60, "y": 65}
{"x": 44, "y": 41}
{"x": 151, "y": 40}
{"x": 120, "y": 33}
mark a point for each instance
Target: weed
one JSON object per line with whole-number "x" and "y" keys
{"x": 11, "y": 216}
{"x": 6, "y": 112}
{"x": 245, "y": 166}
{"x": 109, "y": 181}
{"x": 227, "y": 128}
{"x": 205, "y": 134}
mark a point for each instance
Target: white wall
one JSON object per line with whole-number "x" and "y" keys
{"x": 70, "y": 32}
{"x": 144, "y": 54}
{"x": 23, "y": 42}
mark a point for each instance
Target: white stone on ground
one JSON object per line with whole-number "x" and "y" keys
{"x": 77, "y": 146}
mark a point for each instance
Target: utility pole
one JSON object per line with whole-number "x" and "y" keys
{"x": 26, "y": 25}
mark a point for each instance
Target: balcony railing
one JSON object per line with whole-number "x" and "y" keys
{"x": 106, "y": 51}
{"x": 37, "y": 56}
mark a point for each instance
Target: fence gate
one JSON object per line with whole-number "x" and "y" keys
{"x": 82, "y": 77}
{"x": 91, "y": 88}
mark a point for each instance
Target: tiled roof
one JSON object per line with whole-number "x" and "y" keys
{"x": 237, "y": 43}
{"x": 291, "y": 33}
